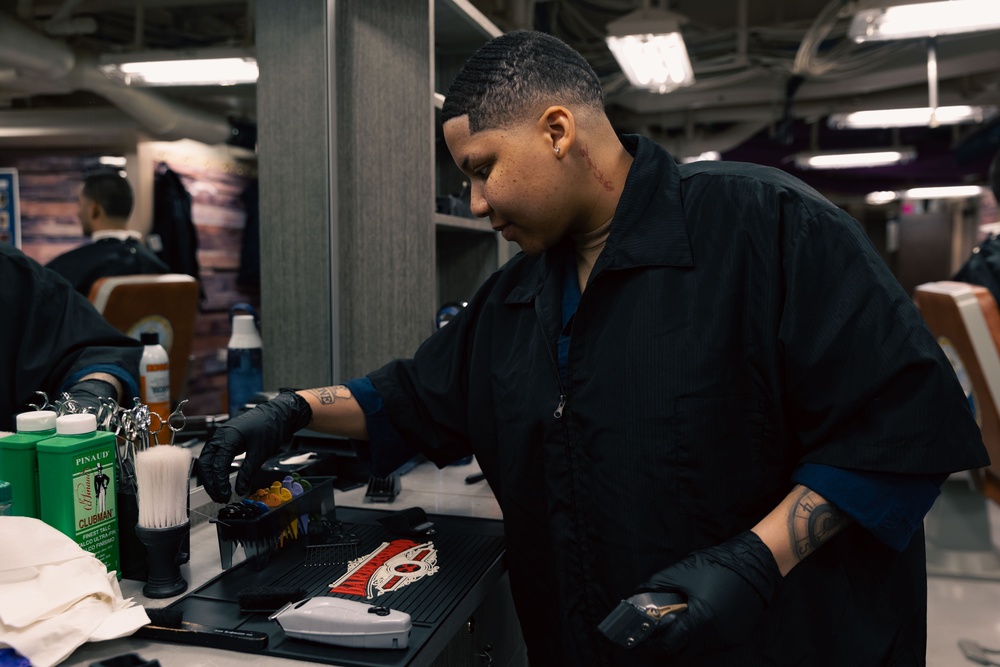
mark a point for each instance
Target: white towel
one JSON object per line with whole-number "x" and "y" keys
{"x": 54, "y": 596}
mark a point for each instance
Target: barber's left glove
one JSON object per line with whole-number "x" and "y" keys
{"x": 260, "y": 432}
{"x": 727, "y": 589}
{"x": 88, "y": 394}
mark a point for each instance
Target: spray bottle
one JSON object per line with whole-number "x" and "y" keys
{"x": 245, "y": 362}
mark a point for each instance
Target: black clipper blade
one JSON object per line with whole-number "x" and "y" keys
{"x": 635, "y": 619}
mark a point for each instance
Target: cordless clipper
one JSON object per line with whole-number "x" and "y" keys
{"x": 635, "y": 619}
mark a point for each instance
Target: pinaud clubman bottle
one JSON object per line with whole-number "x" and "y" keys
{"x": 76, "y": 480}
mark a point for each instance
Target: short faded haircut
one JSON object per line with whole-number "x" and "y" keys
{"x": 111, "y": 191}
{"x": 516, "y": 74}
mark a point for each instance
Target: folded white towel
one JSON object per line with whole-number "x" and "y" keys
{"x": 54, "y": 596}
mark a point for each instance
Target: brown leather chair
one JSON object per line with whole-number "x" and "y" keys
{"x": 966, "y": 321}
{"x": 166, "y": 304}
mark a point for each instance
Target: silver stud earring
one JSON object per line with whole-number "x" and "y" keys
{"x": 557, "y": 150}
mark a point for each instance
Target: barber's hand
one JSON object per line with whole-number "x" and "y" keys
{"x": 260, "y": 432}
{"x": 88, "y": 394}
{"x": 727, "y": 589}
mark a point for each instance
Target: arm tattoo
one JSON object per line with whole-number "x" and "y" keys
{"x": 329, "y": 395}
{"x": 812, "y": 521}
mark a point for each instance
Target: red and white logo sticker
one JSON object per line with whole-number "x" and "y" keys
{"x": 390, "y": 567}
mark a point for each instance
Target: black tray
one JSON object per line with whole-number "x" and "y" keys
{"x": 469, "y": 561}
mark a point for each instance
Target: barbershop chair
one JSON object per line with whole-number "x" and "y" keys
{"x": 966, "y": 321}
{"x": 165, "y": 304}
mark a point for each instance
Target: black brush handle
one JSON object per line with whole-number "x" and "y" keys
{"x": 203, "y": 635}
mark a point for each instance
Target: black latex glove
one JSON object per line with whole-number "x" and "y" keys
{"x": 260, "y": 432}
{"x": 88, "y": 394}
{"x": 727, "y": 589}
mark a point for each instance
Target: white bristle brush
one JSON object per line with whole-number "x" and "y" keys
{"x": 162, "y": 474}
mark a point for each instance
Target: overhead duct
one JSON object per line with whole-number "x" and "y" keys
{"x": 161, "y": 117}
{"x": 34, "y": 55}
{"x": 695, "y": 144}
{"x": 32, "y": 52}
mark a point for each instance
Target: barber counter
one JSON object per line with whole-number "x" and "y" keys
{"x": 453, "y": 583}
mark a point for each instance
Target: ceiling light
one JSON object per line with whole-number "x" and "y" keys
{"x": 906, "y": 19}
{"x": 710, "y": 156}
{"x": 650, "y": 49}
{"x": 854, "y": 159}
{"x": 944, "y": 192}
{"x": 220, "y": 67}
{"x": 914, "y": 117}
{"x": 881, "y": 197}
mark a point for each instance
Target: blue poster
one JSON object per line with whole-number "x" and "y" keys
{"x": 10, "y": 215}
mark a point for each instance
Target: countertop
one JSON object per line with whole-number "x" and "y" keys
{"x": 436, "y": 491}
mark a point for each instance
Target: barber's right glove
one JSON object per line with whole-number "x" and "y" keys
{"x": 260, "y": 432}
{"x": 727, "y": 588}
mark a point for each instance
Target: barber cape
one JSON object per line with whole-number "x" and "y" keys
{"x": 54, "y": 596}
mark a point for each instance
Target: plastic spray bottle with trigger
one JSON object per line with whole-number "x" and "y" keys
{"x": 244, "y": 360}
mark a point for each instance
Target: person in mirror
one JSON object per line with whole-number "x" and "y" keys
{"x": 54, "y": 341}
{"x": 699, "y": 379}
{"x": 105, "y": 204}
{"x": 983, "y": 265}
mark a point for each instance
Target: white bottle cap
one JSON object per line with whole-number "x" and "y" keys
{"x": 77, "y": 424}
{"x": 245, "y": 333}
{"x": 37, "y": 420}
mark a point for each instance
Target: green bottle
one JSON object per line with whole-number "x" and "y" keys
{"x": 76, "y": 483}
{"x": 19, "y": 460}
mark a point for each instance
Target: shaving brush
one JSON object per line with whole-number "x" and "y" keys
{"x": 162, "y": 474}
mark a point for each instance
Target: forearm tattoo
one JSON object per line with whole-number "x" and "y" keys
{"x": 329, "y": 395}
{"x": 812, "y": 521}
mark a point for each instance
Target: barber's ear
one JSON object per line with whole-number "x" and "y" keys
{"x": 559, "y": 128}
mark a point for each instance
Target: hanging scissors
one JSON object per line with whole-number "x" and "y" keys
{"x": 176, "y": 421}
{"x": 45, "y": 402}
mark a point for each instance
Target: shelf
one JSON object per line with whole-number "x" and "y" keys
{"x": 467, "y": 250}
{"x": 460, "y": 27}
{"x": 455, "y": 222}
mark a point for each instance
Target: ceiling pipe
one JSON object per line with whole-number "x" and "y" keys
{"x": 35, "y": 55}
{"x": 162, "y": 117}
{"x": 31, "y": 52}
{"x": 809, "y": 109}
{"x": 682, "y": 146}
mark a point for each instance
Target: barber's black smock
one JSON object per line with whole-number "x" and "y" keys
{"x": 51, "y": 337}
{"x": 736, "y": 325}
{"x": 107, "y": 257}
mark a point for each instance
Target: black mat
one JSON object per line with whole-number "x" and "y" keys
{"x": 469, "y": 560}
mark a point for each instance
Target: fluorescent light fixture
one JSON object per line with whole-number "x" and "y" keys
{"x": 938, "y": 192}
{"x": 881, "y": 197}
{"x": 913, "y": 117}
{"x": 906, "y": 19}
{"x": 854, "y": 159}
{"x": 944, "y": 192}
{"x": 112, "y": 160}
{"x": 219, "y": 67}
{"x": 650, "y": 49}
{"x": 710, "y": 156}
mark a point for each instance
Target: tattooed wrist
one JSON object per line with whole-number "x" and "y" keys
{"x": 812, "y": 521}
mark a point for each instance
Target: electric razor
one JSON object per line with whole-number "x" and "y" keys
{"x": 637, "y": 617}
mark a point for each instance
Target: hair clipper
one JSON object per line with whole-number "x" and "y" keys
{"x": 635, "y": 619}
